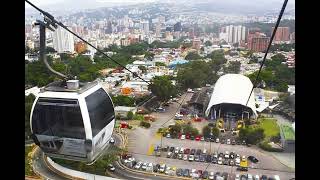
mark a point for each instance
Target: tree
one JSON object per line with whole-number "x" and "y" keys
{"x": 193, "y": 56}
{"x": 143, "y": 69}
{"x": 251, "y": 135}
{"x": 234, "y": 67}
{"x": 163, "y": 88}
{"x": 160, "y": 64}
{"x": 208, "y": 43}
{"x": 215, "y": 132}
{"x": 196, "y": 74}
{"x": 121, "y": 100}
{"x": 129, "y": 115}
{"x": 175, "y": 130}
{"x": 206, "y": 131}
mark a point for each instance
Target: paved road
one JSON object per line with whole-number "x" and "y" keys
{"x": 142, "y": 141}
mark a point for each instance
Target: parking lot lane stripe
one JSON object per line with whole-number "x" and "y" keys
{"x": 151, "y": 149}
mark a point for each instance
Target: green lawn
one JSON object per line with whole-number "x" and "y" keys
{"x": 288, "y": 132}
{"x": 270, "y": 127}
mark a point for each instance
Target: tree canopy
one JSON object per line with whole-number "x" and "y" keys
{"x": 121, "y": 100}
{"x": 193, "y": 56}
{"x": 163, "y": 88}
{"x": 196, "y": 74}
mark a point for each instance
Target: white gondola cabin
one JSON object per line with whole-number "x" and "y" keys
{"x": 72, "y": 122}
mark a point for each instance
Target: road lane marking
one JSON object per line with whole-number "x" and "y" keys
{"x": 150, "y": 149}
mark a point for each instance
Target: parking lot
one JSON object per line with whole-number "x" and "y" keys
{"x": 143, "y": 141}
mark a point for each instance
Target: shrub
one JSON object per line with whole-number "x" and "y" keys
{"x": 138, "y": 117}
{"x": 129, "y": 127}
{"x": 130, "y": 115}
{"x": 267, "y": 147}
{"x": 275, "y": 139}
{"x": 145, "y": 124}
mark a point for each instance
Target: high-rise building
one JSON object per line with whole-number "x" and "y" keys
{"x": 233, "y": 34}
{"x": 257, "y": 42}
{"x": 282, "y": 34}
{"x": 158, "y": 29}
{"x": 145, "y": 27}
{"x": 177, "y": 27}
{"x": 63, "y": 40}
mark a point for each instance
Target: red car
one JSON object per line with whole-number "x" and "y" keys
{"x": 198, "y": 138}
{"x": 187, "y": 136}
{"x": 187, "y": 151}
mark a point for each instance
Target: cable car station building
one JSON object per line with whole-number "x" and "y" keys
{"x": 229, "y": 100}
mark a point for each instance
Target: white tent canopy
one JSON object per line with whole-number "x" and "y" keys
{"x": 232, "y": 89}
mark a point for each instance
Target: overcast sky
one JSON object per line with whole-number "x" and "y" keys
{"x": 88, "y": 4}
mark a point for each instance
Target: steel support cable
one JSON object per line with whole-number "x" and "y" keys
{"x": 50, "y": 17}
{"x": 269, "y": 45}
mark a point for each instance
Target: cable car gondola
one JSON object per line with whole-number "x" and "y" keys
{"x": 72, "y": 121}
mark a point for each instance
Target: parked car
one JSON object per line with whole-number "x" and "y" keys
{"x": 181, "y": 151}
{"x": 231, "y": 163}
{"x": 204, "y": 151}
{"x": 191, "y": 157}
{"x": 249, "y": 177}
{"x": 211, "y": 175}
{"x": 191, "y": 137}
{"x": 183, "y": 137}
{"x": 228, "y": 141}
{"x": 256, "y": 177}
{"x": 112, "y": 141}
{"x": 225, "y": 175}
{"x": 162, "y": 168}
{"x": 111, "y": 167}
{"x": 214, "y": 160}
{"x": 179, "y": 172}
{"x": 169, "y": 155}
{"x": 253, "y": 159}
{"x": 149, "y": 167}
{"x": 160, "y": 109}
{"x": 198, "y": 138}
{"x": 187, "y": 151}
{"x": 185, "y": 157}
{"x": 264, "y": 177}
{"x": 198, "y": 152}
{"x": 138, "y": 165}
{"x": 168, "y": 135}
{"x": 144, "y": 166}
{"x": 238, "y": 142}
{"x": 193, "y": 151}
{"x": 180, "y": 156}
{"x": 156, "y": 168}
{"x": 217, "y": 140}
{"x": 238, "y": 161}
{"x": 244, "y": 142}
{"x": 186, "y": 173}
{"x": 226, "y": 155}
{"x": 202, "y": 138}
{"x": 208, "y": 158}
{"x": 205, "y": 175}
{"x": 243, "y": 177}
{"x": 220, "y": 154}
{"x": 176, "y": 150}
{"x": 175, "y": 155}
{"x": 220, "y": 160}
{"x": 171, "y": 149}
{"x": 226, "y": 162}
{"x": 237, "y": 177}
{"x": 223, "y": 141}
{"x": 202, "y": 158}
{"x": 197, "y": 158}
{"x": 233, "y": 142}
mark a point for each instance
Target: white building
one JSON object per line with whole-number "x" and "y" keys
{"x": 63, "y": 40}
